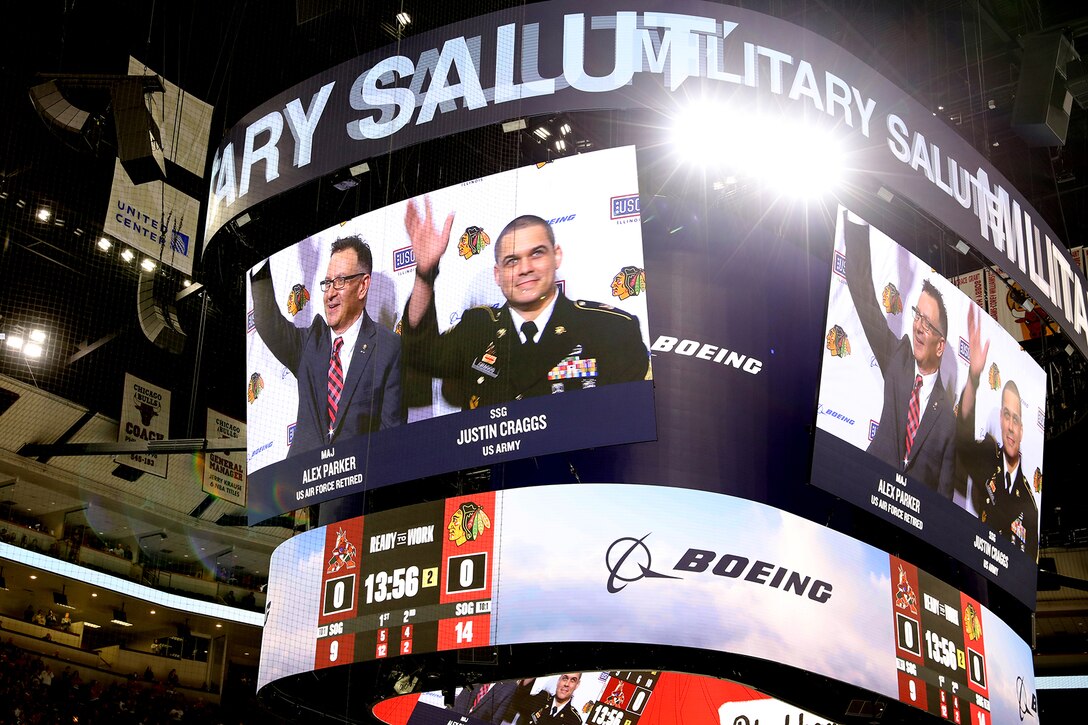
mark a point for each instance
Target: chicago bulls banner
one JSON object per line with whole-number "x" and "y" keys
{"x": 145, "y": 416}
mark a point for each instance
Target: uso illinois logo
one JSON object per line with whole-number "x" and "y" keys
{"x": 624, "y": 206}
{"x": 403, "y": 259}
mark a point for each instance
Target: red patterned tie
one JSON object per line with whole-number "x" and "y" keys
{"x": 913, "y": 416}
{"x": 482, "y": 690}
{"x": 336, "y": 382}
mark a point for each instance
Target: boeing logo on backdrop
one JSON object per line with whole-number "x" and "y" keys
{"x": 628, "y": 560}
{"x": 706, "y": 351}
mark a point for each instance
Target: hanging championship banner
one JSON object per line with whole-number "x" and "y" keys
{"x": 225, "y": 471}
{"x": 145, "y": 416}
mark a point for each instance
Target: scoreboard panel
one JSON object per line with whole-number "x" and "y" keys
{"x": 407, "y": 581}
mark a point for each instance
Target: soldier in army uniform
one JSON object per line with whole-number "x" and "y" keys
{"x": 1001, "y": 493}
{"x": 538, "y": 343}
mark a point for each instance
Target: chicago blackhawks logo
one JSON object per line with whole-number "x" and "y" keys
{"x": 629, "y": 282}
{"x": 472, "y": 242}
{"x": 1037, "y": 480}
{"x": 297, "y": 299}
{"x": 256, "y": 385}
{"x": 972, "y": 625}
{"x": 893, "y": 301}
{"x": 994, "y": 377}
{"x": 343, "y": 553}
{"x": 837, "y": 342}
{"x": 467, "y": 523}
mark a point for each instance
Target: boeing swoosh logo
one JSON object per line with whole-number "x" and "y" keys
{"x": 628, "y": 560}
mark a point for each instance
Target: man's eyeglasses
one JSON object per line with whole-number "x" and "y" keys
{"x": 928, "y": 326}
{"x": 338, "y": 282}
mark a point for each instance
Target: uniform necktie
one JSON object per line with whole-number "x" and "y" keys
{"x": 529, "y": 330}
{"x": 481, "y": 691}
{"x": 913, "y": 416}
{"x": 336, "y": 382}
{"x": 1008, "y": 482}
{"x": 553, "y": 706}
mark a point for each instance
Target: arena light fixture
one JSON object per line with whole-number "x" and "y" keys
{"x": 794, "y": 157}
{"x": 128, "y": 255}
{"x": 37, "y": 336}
{"x": 32, "y": 350}
{"x": 104, "y": 244}
{"x": 147, "y": 265}
{"x": 44, "y": 214}
{"x": 403, "y": 19}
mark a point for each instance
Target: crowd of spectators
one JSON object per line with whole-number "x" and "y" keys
{"x": 32, "y": 693}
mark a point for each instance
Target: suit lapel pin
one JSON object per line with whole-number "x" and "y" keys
{"x": 364, "y": 347}
{"x": 559, "y": 329}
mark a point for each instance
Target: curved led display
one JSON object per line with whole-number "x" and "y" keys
{"x": 643, "y": 564}
{"x": 545, "y": 58}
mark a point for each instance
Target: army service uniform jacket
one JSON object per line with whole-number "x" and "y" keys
{"x": 482, "y": 360}
{"x": 1014, "y": 516}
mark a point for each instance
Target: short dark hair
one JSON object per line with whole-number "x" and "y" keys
{"x": 1010, "y": 387}
{"x": 942, "y": 314}
{"x": 361, "y": 248}
{"x": 523, "y": 222}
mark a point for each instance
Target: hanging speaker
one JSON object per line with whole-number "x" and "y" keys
{"x": 57, "y": 110}
{"x": 1040, "y": 113}
{"x": 139, "y": 139}
{"x": 158, "y": 321}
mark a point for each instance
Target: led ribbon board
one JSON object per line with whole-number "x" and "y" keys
{"x": 533, "y": 60}
{"x": 665, "y": 566}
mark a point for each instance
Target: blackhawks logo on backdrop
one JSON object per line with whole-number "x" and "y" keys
{"x": 297, "y": 299}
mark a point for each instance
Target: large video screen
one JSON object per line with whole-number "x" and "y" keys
{"x": 618, "y": 697}
{"x": 930, "y": 414}
{"x": 501, "y": 318}
{"x": 665, "y": 566}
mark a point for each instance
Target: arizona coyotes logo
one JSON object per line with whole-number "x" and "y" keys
{"x": 893, "y": 301}
{"x": 343, "y": 554}
{"x": 837, "y": 342}
{"x": 615, "y": 698}
{"x": 905, "y": 598}
{"x": 467, "y": 523}
{"x": 972, "y": 625}
{"x": 1037, "y": 480}
{"x": 994, "y": 377}
{"x": 297, "y": 299}
{"x": 629, "y": 282}
{"x": 472, "y": 242}
{"x": 399, "y": 328}
{"x": 256, "y": 385}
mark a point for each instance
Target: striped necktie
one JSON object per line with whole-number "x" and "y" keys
{"x": 913, "y": 417}
{"x": 336, "y": 383}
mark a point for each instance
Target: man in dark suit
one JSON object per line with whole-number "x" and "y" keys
{"x": 917, "y": 427}
{"x": 544, "y": 708}
{"x": 491, "y": 702}
{"x": 347, "y": 367}
{"x": 1000, "y": 490}
{"x": 538, "y": 343}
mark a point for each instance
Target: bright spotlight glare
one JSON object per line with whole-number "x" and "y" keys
{"x": 15, "y": 342}
{"x": 44, "y": 214}
{"x": 37, "y": 336}
{"x": 127, "y": 255}
{"x": 104, "y": 244}
{"x": 793, "y": 157}
{"x": 147, "y": 265}
{"x": 32, "y": 350}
